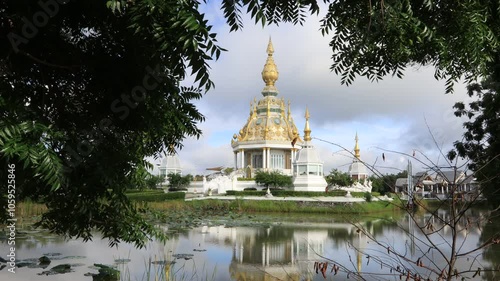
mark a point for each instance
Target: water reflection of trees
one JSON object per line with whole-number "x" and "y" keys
{"x": 491, "y": 254}
{"x": 36, "y": 239}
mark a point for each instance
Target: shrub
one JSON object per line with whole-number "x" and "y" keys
{"x": 156, "y": 196}
{"x": 368, "y": 196}
{"x": 178, "y": 182}
{"x": 273, "y": 179}
{"x": 287, "y": 193}
{"x": 339, "y": 178}
{"x": 245, "y": 179}
{"x": 358, "y": 194}
{"x": 174, "y": 189}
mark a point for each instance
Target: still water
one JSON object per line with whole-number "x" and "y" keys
{"x": 264, "y": 247}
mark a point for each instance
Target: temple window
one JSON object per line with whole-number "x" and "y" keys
{"x": 277, "y": 161}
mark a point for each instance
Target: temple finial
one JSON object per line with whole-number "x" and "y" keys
{"x": 307, "y": 129}
{"x": 270, "y": 72}
{"x": 356, "y": 147}
{"x": 270, "y": 48}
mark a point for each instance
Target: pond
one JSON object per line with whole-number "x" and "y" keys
{"x": 259, "y": 247}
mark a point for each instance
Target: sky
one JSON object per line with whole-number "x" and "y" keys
{"x": 393, "y": 116}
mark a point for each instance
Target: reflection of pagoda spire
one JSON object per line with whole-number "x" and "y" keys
{"x": 359, "y": 260}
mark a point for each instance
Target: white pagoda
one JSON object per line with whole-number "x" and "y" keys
{"x": 170, "y": 164}
{"x": 357, "y": 169}
{"x": 308, "y": 167}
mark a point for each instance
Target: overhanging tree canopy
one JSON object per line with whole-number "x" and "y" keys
{"x": 86, "y": 94}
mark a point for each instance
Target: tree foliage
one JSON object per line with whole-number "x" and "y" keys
{"x": 386, "y": 183}
{"x": 273, "y": 179}
{"x": 87, "y": 93}
{"x": 141, "y": 179}
{"x": 481, "y": 143}
{"x": 378, "y": 38}
{"x": 178, "y": 182}
{"x": 338, "y": 178}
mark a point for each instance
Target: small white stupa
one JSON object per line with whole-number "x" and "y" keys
{"x": 358, "y": 172}
{"x": 308, "y": 167}
{"x": 170, "y": 164}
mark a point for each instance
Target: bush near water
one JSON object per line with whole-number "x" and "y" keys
{"x": 154, "y": 195}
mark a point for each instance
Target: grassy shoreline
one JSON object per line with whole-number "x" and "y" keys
{"x": 256, "y": 206}
{"x": 32, "y": 211}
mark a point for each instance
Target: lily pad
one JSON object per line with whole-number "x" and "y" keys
{"x": 36, "y": 265}
{"x": 30, "y": 260}
{"x": 183, "y": 256}
{"x": 74, "y": 257}
{"x": 121, "y": 261}
{"x": 23, "y": 264}
{"x": 162, "y": 262}
{"x": 58, "y": 269}
{"x": 52, "y": 254}
{"x": 106, "y": 273}
{"x": 44, "y": 260}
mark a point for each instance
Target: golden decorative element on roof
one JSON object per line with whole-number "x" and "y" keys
{"x": 289, "y": 111}
{"x": 268, "y": 120}
{"x": 307, "y": 130}
{"x": 356, "y": 147}
{"x": 270, "y": 72}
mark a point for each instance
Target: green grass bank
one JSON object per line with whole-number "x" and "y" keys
{"x": 254, "y": 206}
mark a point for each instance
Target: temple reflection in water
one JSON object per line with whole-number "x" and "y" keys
{"x": 282, "y": 252}
{"x": 259, "y": 254}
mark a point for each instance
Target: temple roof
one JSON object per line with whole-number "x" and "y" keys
{"x": 268, "y": 119}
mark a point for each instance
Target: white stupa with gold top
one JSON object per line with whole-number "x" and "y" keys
{"x": 358, "y": 172}
{"x": 308, "y": 167}
{"x": 269, "y": 139}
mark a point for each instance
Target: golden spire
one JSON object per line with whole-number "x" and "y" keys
{"x": 253, "y": 112}
{"x": 356, "y": 146}
{"x": 307, "y": 130}
{"x": 289, "y": 113}
{"x": 270, "y": 72}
